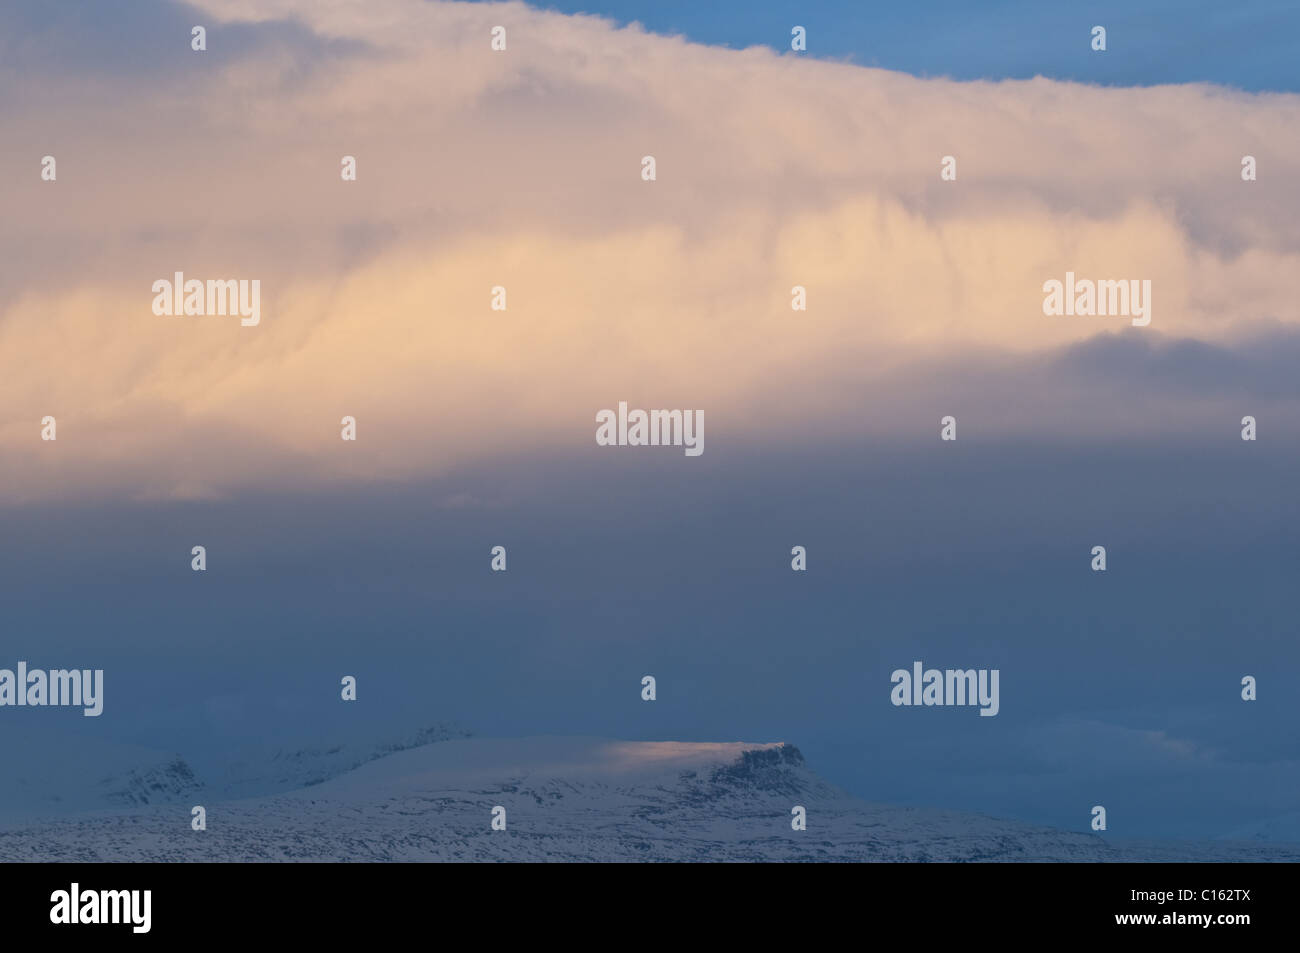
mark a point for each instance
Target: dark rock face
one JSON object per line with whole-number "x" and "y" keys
{"x": 162, "y": 783}
{"x": 777, "y": 770}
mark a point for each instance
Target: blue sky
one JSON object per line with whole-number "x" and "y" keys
{"x": 1252, "y": 46}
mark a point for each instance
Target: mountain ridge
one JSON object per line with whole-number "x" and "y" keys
{"x": 577, "y": 799}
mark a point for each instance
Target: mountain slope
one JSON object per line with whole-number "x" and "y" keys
{"x": 86, "y": 773}
{"x": 576, "y": 799}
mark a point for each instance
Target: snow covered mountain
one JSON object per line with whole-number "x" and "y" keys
{"x": 273, "y": 770}
{"x": 83, "y": 774}
{"x": 573, "y": 799}
{"x": 1282, "y": 829}
{"x": 86, "y": 773}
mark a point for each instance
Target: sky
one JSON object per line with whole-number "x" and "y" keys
{"x": 1249, "y": 46}
{"x": 522, "y": 169}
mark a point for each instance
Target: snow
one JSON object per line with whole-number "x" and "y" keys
{"x": 567, "y": 799}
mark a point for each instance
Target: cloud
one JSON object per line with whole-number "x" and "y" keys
{"x": 1136, "y": 743}
{"x": 521, "y": 169}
